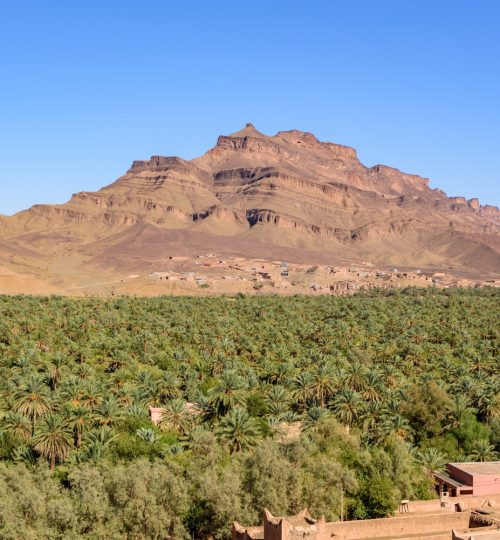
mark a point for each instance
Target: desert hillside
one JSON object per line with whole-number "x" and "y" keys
{"x": 287, "y": 197}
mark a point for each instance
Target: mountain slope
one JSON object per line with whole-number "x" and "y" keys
{"x": 287, "y": 195}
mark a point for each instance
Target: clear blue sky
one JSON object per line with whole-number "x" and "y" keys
{"x": 88, "y": 86}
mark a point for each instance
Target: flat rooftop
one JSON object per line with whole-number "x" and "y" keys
{"x": 479, "y": 468}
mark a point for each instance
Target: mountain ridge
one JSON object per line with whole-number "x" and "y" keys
{"x": 287, "y": 191}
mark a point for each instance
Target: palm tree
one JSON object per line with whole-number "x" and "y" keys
{"x": 73, "y": 390}
{"x": 396, "y": 424}
{"x": 392, "y": 404}
{"x": 389, "y": 375}
{"x": 275, "y": 425}
{"x": 17, "y": 425}
{"x": 137, "y": 410}
{"x": 302, "y": 388}
{"x": 483, "y": 451}
{"x": 53, "y": 439}
{"x": 56, "y": 369}
{"x": 431, "y": 460}
{"x": 280, "y": 373}
{"x": 489, "y": 405}
{"x": 80, "y": 419}
{"x": 108, "y": 412}
{"x": 278, "y": 394}
{"x": 229, "y": 392}
{"x": 32, "y": 400}
{"x": 461, "y": 405}
{"x": 148, "y": 435}
{"x": 168, "y": 387}
{"x": 276, "y": 409}
{"x": 290, "y": 416}
{"x": 355, "y": 376}
{"x": 25, "y": 454}
{"x": 322, "y": 383}
{"x": 238, "y": 429}
{"x": 151, "y": 393}
{"x": 315, "y": 418}
{"x": 98, "y": 441}
{"x": 175, "y": 416}
{"x": 466, "y": 385}
{"x": 372, "y": 387}
{"x": 347, "y": 406}
{"x": 93, "y": 394}
{"x": 84, "y": 371}
{"x": 372, "y": 416}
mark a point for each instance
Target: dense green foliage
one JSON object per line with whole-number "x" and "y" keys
{"x": 321, "y": 402}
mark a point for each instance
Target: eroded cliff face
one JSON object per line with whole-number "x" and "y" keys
{"x": 309, "y": 141}
{"x": 289, "y": 189}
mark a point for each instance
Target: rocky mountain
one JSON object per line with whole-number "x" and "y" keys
{"x": 287, "y": 196}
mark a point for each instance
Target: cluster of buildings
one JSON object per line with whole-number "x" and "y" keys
{"x": 292, "y": 278}
{"x": 468, "y": 508}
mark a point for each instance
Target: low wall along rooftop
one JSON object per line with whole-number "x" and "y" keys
{"x": 399, "y": 526}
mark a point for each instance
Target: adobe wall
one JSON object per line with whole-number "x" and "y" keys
{"x": 474, "y": 501}
{"x": 378, "y": 528}
{"x": 486, "y": 484}
{"x": 156, "y": 414}
{"x": 432, "y": 505}
{"x": 486, "y": 487}
{"x": 275, "y": 531}
{"x": 246, "y": 533}
{"x": 297, "y": 534}
{"x": 282, "y": 529}
{"x": 468, "y": 501}
{"x": 461, "y": 475}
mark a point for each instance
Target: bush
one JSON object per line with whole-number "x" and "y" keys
{"x": 379, "y": 497}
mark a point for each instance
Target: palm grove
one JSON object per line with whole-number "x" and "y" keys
{"x": 285, "y": 403}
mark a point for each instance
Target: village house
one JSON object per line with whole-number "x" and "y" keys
{"x": 469, "y": 478}
{"x": 343, "y": 286}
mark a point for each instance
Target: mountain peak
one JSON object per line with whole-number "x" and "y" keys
{"x": 248, "y": 131}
